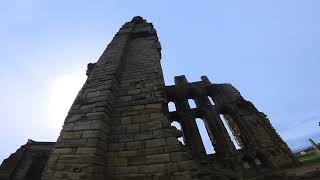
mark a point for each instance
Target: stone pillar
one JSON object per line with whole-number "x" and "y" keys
{"x": 224, "y": 145}
{"x": 188, "y": 122}
{"x": 218, "y": 133}
{"x": 81, "y": 151}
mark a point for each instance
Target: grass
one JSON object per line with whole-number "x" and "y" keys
{"x": 312, "y": 157}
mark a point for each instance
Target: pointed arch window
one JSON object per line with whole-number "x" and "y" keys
{"x": 172, "y": 106}
{"x": 178, "y": 126}
{"x": 234, "y": 136}
{"x": 192, "y": 103}
{"x": 205, "y": 137}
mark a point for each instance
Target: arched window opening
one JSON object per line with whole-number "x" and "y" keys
{"x": 211, "y": 100}
{"x": 171, "y": 106}
{"x": 192, "y": 103}
{"x": 232, "y": 131}
{"x": 178, "y": 126}
{"x": 205, "y": 136}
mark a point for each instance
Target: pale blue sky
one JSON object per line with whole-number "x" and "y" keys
{"x": 268, "y": 49}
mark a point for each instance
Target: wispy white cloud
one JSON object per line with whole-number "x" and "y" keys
{"x": 37, "y": 97}
{"x": 298, "y": 132}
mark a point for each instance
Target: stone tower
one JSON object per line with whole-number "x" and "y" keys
{"x": 119, "y": 126}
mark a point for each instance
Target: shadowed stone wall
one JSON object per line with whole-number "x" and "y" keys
{"x": 27, "y": 163}
{"x": 261, "y": 147}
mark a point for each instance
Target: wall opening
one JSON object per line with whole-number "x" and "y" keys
{"x": 178, "y": 126}
{"x": 192, "y": 103}
{"x": 232, "y": 131}
{"x": 211, "y": 100}
{"x": 208, "y": 145}
{"x": 172, "y": 106}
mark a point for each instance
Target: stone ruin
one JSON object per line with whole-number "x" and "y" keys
{"x": 119, "y": 126}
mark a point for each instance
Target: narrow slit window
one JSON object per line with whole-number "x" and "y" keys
{"x": 172, "y": 106}
{"x": 205, "y": 136}
{"x": 192, "y": 103}
{"x": 178, "y": 126}
{"x": 211, "y": 100}
{"x": 230, "y": 132}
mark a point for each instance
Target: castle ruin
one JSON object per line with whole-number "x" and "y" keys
{"x": 119, "y": 126}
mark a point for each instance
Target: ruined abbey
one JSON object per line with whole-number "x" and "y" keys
{"x": 120, "y": 128}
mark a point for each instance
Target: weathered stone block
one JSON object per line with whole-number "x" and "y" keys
{"x": 140, "y": 118}
{"x": 158, "y": 158}
{"x": 135, "y": 145}
{"x": 156, "y": 116}
{"x": 76, "y": 117}
{"x": 118, "y": 162}
{"x": 180, "y": 156}
{"x": 72, "y": 135}
{"x": 96, "y": 115}
{"x": 153, "y": 125}
{"x": 132, "y": 128}
{"x": 143, "y": 136}
{"x": 126, "y": 138}
{"x": 127, "y": 170}
{"x": 126, "y": 120}
{"x": 153, "y": 168}
{"x": 71, "y": 143}
{"x": 93, "y": 94}
{"x": 86, "y": 150}
{"x": 82, "y": 125}
{"x": 139, "y": 160}
{"x": 64, "y": 150}
{"x": 155, "y": 142}
{"x": 116, "y": 146}
{"x": 171, "y": 148}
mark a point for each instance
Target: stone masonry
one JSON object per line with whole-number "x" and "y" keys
{"x": 119, "y": 126}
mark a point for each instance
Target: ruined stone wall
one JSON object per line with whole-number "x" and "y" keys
{"x": 27, "y": 162}
{"x": 143, "y": 144}
{"x": 81, "y": 149}
{"x": 119, "y": 126}
{"x": 116, "y": 127}
{"x": 260, "y": 146}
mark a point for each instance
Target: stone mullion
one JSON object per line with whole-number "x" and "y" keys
{"x": 203, "y": 103}
{"x": 219, "y": 136}
{"x": 224, "y": 145}
{"x": 190, "y": 129}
